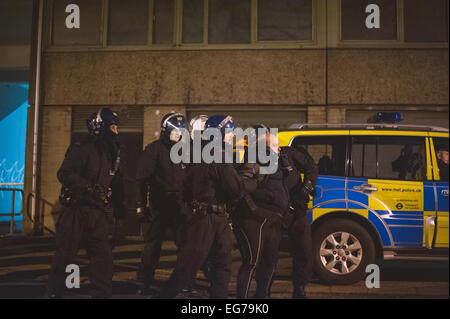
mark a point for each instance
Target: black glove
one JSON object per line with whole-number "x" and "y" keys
{"x": 249, "y": 170}
{"x": 284, "y": 162}
{"x": 306, "y": 190}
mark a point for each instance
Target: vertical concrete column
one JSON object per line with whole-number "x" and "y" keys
{"x": 56, "y": 136}
{"x": 27, "y": 225}
{"x": 317, "y": 115}
{"x": 152, "y": 121}
{"x": 336, "y": 115}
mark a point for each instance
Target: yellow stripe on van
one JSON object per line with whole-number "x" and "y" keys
{"x": 318, "y": 212}
{"x": 427, "y": 214}
{"x": 396, "y": 133}
{"x": 285, "y": 138}
{"x": 438, "y": 134}
{"x": 429, "y": 169}
{"x": 442, "y": 236}
{"x": 434, "y": 163}
{"x": 326, "y": 132}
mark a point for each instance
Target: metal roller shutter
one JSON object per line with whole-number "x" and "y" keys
{"x": 131, "y": 117}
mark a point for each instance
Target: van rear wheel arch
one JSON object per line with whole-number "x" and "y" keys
{"x": 370, "y": 228}
{"x": 343, "y": 245}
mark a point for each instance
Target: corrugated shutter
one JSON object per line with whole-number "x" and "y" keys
{"x": 131, "y": 117}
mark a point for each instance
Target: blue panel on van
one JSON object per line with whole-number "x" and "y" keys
{"x": 384, "y": 235}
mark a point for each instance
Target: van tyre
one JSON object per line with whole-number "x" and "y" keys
{"x": 341, "y": 251}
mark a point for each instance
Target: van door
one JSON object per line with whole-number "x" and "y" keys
{"x": 440, "y": 157}
{"x": 330, "y": 154}
{"x": 387, "y": 173}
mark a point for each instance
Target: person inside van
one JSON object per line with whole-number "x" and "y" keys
{"x": 443, "y": 159}
{"x": 407, "y": 164}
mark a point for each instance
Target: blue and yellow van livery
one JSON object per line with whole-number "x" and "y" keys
{"x": 379, "y": 195}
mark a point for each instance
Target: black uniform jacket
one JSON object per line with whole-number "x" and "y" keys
{"x": 216, "y": 184}
{"x": 302, "y": 163}
{"x": 157, "y": 174}
{"x": 92, "y": 162}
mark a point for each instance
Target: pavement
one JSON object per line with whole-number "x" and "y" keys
{"x": 25, "y": 263}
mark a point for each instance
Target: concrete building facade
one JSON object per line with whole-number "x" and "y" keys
{"x": 276, "y": 62}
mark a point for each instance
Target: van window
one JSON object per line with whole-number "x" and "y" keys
{"x": 388, "y": 157}
{"x": 442, "y": 157}
{"x": 329, "y": 152}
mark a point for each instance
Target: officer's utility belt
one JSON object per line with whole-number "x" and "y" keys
{"x": 99, "y": 197}
{"x": 202, "y": 208}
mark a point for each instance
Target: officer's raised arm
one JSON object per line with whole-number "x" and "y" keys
{"x": 305, "y": 164}
{"x": 235, "y": 185}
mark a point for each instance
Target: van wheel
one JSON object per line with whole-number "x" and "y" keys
{"x": 341, "y": 251}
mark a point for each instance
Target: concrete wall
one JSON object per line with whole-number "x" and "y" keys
{"x": 17, "y": 56}
{"x": 187, "y": 77}
{"x": 388, "y": 77}
{"x": 279, "y": 77}
{"x": 56, "y": 133}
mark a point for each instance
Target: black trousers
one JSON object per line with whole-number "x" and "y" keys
{"x": 90, "y": 226}
{"x": 300, "y": 242}
{"x": 154, "y": 232}
{"x": 259, "y": 240}
{"x": 202, "y": 238}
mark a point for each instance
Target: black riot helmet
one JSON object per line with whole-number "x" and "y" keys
{"x": 172, "y": 121}
{"x": 101, "y": 120}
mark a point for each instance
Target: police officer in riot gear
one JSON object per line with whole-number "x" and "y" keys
{"x": 297, "y": 161}
{"x": 197, "y": 124}
{"x": 206, "y": 233}
{"x": 257, "y": 224}
{"x": 161, "y": 179}
{"x": 92, "y": 191}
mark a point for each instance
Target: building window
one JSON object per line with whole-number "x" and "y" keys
{"x": 163, "y": 21}
{"x": 285, "y": 20}
{"x": 193, "y": 21}
{"x": 426, "y": 21}
{"x": 353, "y": 20}
{"x": 89, "y": 32}
{"x": 128, "y": 22}
{"x": 229, "y": 21}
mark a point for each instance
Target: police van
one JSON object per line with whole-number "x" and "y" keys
{"x": 380, "y": 194}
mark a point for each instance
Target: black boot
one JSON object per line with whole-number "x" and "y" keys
{"x": 299, "y": 293}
